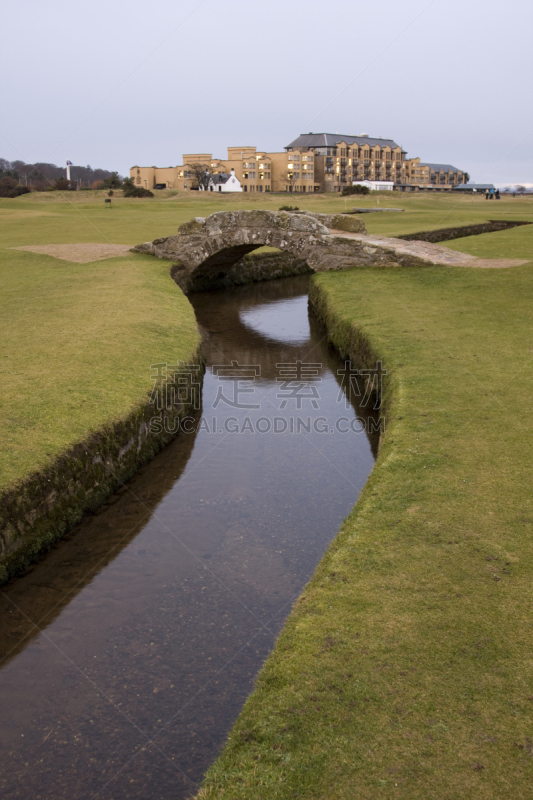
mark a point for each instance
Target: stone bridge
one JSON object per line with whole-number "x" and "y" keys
{"x": 207, "y": 248}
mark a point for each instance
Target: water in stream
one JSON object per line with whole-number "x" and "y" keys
{"x": 126, "y": 654}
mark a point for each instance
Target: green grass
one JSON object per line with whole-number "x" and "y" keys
{"x": 77, "y": 340}
{"x": 405, "y": 669}
{"x": 146, "y": 219}
{"x": 515, "y": 243}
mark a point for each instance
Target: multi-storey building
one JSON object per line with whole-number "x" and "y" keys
{"x": 253, "y": 169}
{"x": 422, "y": 175}
{"x": 314, "y": 162}
{"x": 340, "y": 160}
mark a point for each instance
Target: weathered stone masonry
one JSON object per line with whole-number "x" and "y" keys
{"x": 206, "y": 248}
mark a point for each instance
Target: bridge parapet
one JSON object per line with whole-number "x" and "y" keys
{"x": 205, "y": 248}
{"x": 208, "y": 244}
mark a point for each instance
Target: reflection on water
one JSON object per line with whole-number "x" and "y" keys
{"x": 130, "y": 649}
{"x": 280, "y": 320}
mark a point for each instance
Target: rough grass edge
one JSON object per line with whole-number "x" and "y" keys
{"x": 38, "y": 510}
{"x": 351, "y": 342}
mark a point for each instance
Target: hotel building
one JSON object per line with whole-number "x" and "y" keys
{"x": 313, "y": 162}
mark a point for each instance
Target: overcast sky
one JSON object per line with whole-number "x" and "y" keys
{"x": 113, "y": 83}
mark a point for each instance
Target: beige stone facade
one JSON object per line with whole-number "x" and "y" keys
{"x": 341, "y": 161}
{"x": 311, "y": 163}
{"x": 422, "y": 175}
{"x": 257, "y": 171}
{"x": 347, "y": 161}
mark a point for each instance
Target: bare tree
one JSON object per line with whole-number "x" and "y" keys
{"x": 199, "y": 173}
{"x": 289, "y": 178}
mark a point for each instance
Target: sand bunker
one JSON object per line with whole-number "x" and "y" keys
{"x": 81, "y": 253}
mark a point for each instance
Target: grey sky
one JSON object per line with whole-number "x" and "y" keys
{"x": 114, "y": 83}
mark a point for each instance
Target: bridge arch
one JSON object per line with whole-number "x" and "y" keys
{"x": 205, "y": 246}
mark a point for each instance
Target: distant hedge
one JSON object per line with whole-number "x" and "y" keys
{"x": 357, "y": 189}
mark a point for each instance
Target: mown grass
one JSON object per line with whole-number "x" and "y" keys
{"x": 518, "y": 241}
{"x": 405, "y": 670}
{"x": 405, "y": 667}
{"x": 160, "y": 216}
{"x": 77, "y": 340}
{"x": 76, "y": 331}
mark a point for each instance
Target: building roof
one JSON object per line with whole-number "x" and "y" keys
{"x": 220, "y": 177}
{"x": 439, "y": 167}
{"x": 331, "y": 139}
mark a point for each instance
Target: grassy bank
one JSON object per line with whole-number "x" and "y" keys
{"x": 77, "y": 342}
{"x": 405, "y": 667}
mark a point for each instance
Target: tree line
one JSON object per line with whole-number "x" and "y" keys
{"x": 17, "y": 177}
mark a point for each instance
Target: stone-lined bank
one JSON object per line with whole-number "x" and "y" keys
{"x": 80, "y": 427}
{"x": 404, "y": 669}
{"x": 39, "y": 510}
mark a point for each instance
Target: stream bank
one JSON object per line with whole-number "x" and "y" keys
{"x": 129, "y": 650}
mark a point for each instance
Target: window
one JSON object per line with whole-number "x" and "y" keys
{"x": 296, "y": 158}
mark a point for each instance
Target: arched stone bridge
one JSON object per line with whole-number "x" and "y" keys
{"x": 207, "y": 247}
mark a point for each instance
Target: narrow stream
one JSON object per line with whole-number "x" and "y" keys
{"x": 127, "y": 653}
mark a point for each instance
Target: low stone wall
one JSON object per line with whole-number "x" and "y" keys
{"x": 34, "y": 514}
{"x": 340, "y": 222}
{"x": 446, "y": 234}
